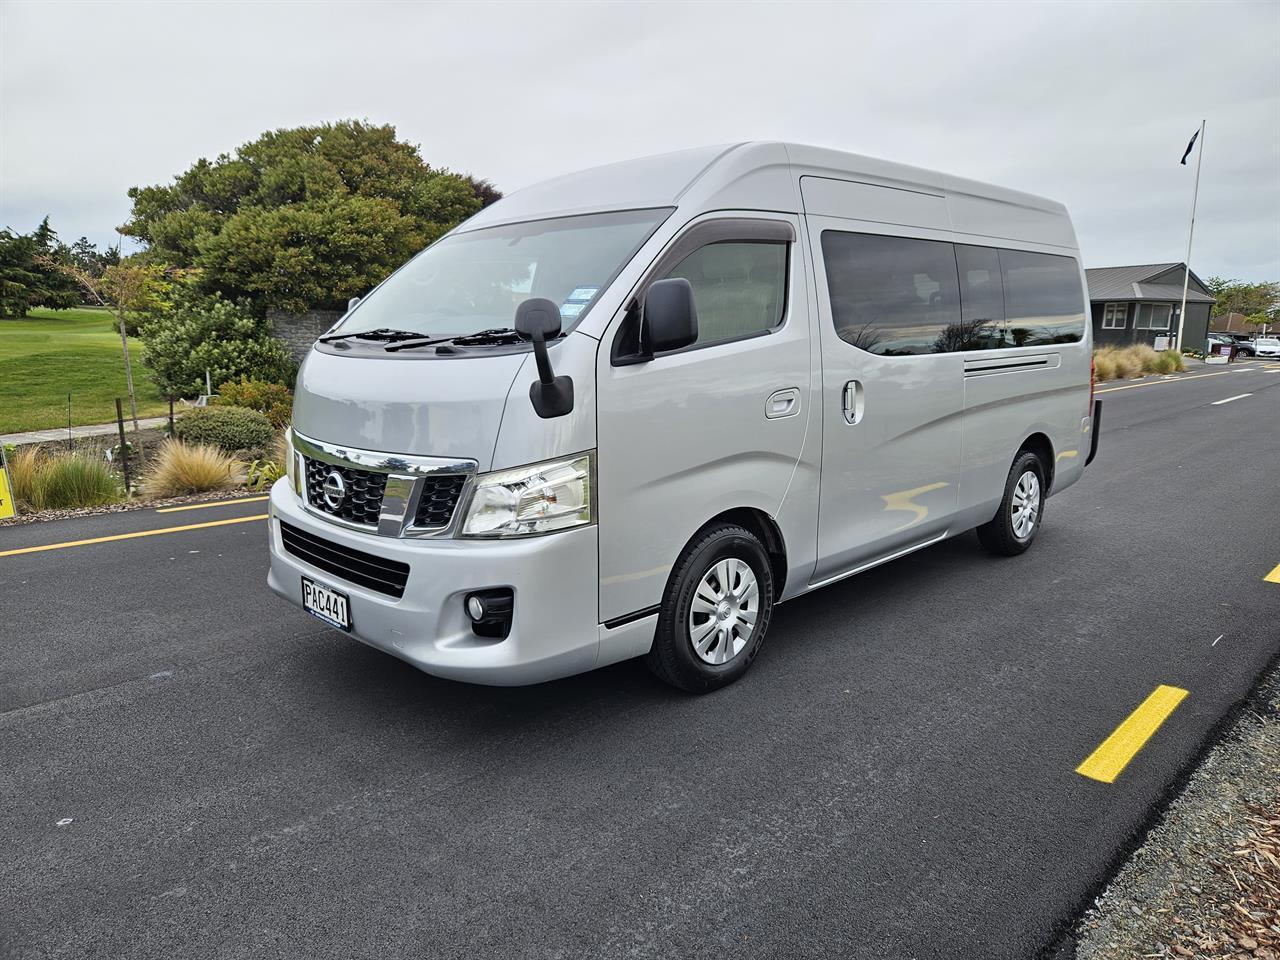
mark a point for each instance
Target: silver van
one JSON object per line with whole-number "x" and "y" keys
{"x": 628, "y": 411}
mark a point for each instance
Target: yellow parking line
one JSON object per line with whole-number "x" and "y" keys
{"x": 130, "y": 536}
{"x": 1273, "y": 576}
{"x": 214, "y": 503}
{"x": 1152, "y": 383}
{"x": 1115, "y": 752}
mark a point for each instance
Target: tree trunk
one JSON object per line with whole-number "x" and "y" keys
{"x": 128, "y": 370}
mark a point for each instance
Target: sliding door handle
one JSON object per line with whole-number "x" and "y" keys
{"x": 854, "y": 401}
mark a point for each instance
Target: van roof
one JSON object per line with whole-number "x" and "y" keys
{"x": 753, "y": 176}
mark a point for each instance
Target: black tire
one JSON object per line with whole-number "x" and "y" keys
{"x": 673, "y": 657}
{"x": 1000, "y": 535}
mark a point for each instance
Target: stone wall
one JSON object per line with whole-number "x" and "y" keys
{"x": 300, "y": 330}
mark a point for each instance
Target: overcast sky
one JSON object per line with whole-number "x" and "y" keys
{"x": 1087, "y": 103}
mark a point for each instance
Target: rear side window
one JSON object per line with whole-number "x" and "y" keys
{"x": 893, "y": 296}
{"x": 1043, "y": 299}
{"x": 983, "y": 325}
{"x": 739, "y": 288}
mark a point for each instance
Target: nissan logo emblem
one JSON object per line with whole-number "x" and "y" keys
{"x": 334, "y": 490}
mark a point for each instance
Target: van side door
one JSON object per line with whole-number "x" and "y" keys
{"x": 892, "y": 389}
{"x": 717, "y": 425}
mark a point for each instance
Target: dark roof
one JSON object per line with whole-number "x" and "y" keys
{"x": 1126, "y": 283}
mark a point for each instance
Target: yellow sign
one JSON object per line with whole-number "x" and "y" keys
{"x": 6, "y": 494}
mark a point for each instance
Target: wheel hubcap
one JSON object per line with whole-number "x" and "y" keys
{"x": 723, "y": 613}
{"x": 1025, "y": 508}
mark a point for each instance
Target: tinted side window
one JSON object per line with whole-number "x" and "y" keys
{"x": 893, "y": 296}
{"x": 983, "y": 325}
{"x": 1043, "y": 299}
{"x": 739, "y": 289}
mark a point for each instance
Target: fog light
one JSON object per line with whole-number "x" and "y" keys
{"x": 490, "y": 612}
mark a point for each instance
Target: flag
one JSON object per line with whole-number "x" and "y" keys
{"x": 1190, "y": 144}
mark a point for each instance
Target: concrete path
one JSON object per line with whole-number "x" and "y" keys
{"x": 91, "y": 430}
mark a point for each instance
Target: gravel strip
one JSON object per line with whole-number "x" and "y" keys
{"x": 138, "y": 504}
{"x": 1206, "y": 882}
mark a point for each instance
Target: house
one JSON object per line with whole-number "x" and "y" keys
{"x": 1232, "y": 323}
{"x": 1140, "y": 303}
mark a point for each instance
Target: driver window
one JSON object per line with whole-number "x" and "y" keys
{"x": 739, "y": 288}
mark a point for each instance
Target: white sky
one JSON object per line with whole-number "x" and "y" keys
{"x": 1087, "y": 103}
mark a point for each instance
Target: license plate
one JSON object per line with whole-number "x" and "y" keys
{"x": 326, "y": 604}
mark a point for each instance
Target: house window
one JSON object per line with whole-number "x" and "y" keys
{"x": 1115, "y": 316}
{"x": 1153, "y": 316}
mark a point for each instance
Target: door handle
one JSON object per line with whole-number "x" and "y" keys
{"x": 854, "y": 401}
{"x": 782, "y": 403}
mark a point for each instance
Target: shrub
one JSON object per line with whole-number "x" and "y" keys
{"x": 1104, "y": 365}
{"x": 1170, "y": 361}
{"x": 231, "y": 429}
{"x": 1144, "y": 357}
{"x": 272, "y": 399}
{"x": 22, "y": 472}
{"x": 1127, "y": 365}
{"x": 190, "y": 468}
{"x": 263, "y": 473}
{"x": 198, "y": 333}
{"x": 63, "y": 481}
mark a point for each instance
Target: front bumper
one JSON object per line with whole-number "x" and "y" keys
{"x": 555, "y": 629}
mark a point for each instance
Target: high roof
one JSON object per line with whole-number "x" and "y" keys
{"x": 756, "y": 175}
{"x": 1130, "y": 283}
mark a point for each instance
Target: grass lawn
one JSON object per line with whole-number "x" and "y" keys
{"x": 50, "y": 353}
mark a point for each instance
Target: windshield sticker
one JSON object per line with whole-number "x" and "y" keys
{"x": 576, "y": 302}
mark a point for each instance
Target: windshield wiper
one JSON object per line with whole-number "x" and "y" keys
{"x": 382, "y": 333}
{"x": 496, "y": 335}
{"x": 411, "y": 344}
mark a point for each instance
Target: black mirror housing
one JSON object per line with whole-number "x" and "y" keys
{"x": 538, "y": 319}
{"x": 670, "y": 319}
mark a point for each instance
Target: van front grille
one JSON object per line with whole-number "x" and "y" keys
{"x": 362, "y": 490}
{"x": 438, "y": 501}
{"x": 354, "y": 566}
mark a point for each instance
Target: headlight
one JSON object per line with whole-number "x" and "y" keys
{"x": 539, "y": 498}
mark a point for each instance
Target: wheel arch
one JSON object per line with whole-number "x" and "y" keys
{"x": 768, "y": 532}
{"x": 1040, "y": 444}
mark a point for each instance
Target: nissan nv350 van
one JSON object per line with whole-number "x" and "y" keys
{"x": 628, "y": 411}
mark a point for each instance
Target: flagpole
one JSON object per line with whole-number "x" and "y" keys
{"x": 1191, "y": 230}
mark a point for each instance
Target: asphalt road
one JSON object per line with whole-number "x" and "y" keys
{"x": 193, "y": 768}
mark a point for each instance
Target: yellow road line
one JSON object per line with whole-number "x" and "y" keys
{"x": 1115, "y": 752}
{"x": 214, "y": 503}
{"x": 130, "y": 536}
{"x": 1152, "y": 383}
{"x": 1273, "y": 576}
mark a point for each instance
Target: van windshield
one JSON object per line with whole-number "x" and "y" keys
{"x": 474, "y": 281}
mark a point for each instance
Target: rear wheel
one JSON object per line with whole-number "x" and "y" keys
{"x": 1016, "y": 523}
{"x": 715, "y": 611}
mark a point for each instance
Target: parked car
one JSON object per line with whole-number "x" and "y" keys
{"x": 628, "y": 411}
{"x": 1267, "y": 347}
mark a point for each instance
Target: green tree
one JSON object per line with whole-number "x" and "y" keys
{"x": 306, "y": 217}
{"x": 199, "y": 333}
{"x": 1251, "y": 299}
{"x": 31, "y": 273}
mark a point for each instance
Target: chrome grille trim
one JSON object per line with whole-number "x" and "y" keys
{"x": 407, "y": 476}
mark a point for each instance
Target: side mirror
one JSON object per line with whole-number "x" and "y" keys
{"x": 352, "y": 304}
{"x": 670, "y": 319}
{"x": 538, "y": 319}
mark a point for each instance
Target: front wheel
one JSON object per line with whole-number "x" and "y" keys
{"x": 715, "y": 611}
{"x": 1016, "y": 523}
